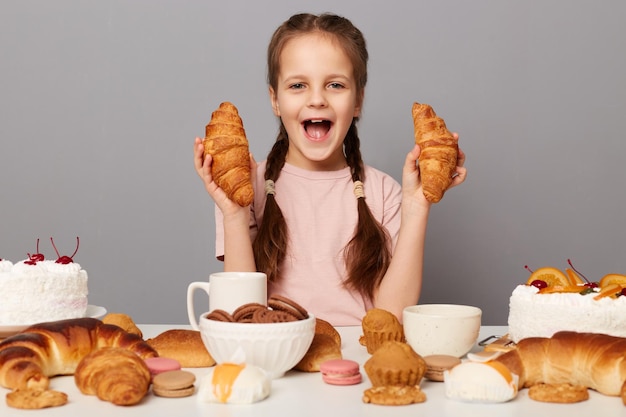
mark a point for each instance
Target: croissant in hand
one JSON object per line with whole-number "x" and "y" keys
{"x": 439, "y": 151}
{"x": 113, "y": 374}
{"x": 226, "y": 141}
{"x": 596, "y": 361}
{"x": 43, "y": 350}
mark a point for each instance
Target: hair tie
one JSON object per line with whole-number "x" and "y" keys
{"x": 358, "y": 189}
{"x": 269, "y": 187}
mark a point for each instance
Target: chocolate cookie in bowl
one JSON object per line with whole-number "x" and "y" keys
{"x": 275, "y": 340}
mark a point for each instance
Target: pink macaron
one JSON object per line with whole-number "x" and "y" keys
{"x": 159, "y": 365}
{"x": 340, "y": 372}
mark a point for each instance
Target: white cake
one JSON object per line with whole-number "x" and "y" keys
{"x": 38, "y": 291}
{"x": 542, "y": 315}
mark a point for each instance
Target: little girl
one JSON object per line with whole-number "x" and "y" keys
{"x": 333, "y": 234}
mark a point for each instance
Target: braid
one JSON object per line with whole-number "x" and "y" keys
{"x": 270, "y": 244}
{"x": 368, "y": 253}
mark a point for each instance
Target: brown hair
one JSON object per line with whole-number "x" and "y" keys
{"x": 368, "y": 253}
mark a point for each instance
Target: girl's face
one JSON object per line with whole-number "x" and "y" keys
{"x": 316, "y": 99}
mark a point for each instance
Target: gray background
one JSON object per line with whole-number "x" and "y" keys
{"x": 100, "y": 102}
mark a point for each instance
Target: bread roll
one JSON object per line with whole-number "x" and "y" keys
{"x": 439, "y": 151}
{"x": 226, "y": 142}
{"x": 326, "y": 345}
{"x": 43, "y": 350}
{"x": 123, "y": 321}
{"x": 185, "y": 346}
{"x": 596, "y": 361}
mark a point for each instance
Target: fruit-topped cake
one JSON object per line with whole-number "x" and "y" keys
{"x": 39, "y": 289}
{"x": 553, "y": 300}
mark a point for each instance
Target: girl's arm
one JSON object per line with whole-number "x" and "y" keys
{"x": 238, "y": 255}
{"x": 402, "y": 283}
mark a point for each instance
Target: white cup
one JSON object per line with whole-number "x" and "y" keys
{"x": 227, "y": 291}
{"x": 443, "y": 329}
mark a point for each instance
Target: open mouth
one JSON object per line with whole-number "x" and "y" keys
{"x": 317, "y": 129}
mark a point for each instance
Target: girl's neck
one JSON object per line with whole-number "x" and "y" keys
{"x": 334, "y": 164}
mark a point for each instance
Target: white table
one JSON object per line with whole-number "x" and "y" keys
{"x": 304, "y": 394}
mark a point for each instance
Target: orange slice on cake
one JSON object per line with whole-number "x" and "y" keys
{"x": 551, "y": 276}
{"x": 560, "y": 288}
{"x": 574, "y": 278}
{"x": 612, "y": 279}
{"x": 609, "y": 291}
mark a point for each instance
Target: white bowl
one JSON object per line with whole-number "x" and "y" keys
{"x": 441, "y": 329}
{"x": 275, "y": 347}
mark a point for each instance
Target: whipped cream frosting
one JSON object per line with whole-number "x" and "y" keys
{"x": 541, "y": 315}
{"x": 45, "y": 291}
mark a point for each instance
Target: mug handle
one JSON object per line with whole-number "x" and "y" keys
{"x": 191, "y": 313}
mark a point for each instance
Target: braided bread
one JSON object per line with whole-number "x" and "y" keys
{"x": 43, "y": 350}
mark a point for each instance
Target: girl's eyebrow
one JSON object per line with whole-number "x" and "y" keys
{"x": 299, "y": 77}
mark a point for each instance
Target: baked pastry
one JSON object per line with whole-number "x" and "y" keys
{"x": 324, "y": 327}
{"x": 234, "y": 384}
{"x": 43, "y": 350}
{"x": 395, "y": 363}
{"x": 174, "y": 384}
{"x": 123, "y": 321}
{"x": 380, "y": 326}
{"x": 225, "y": 140}
{"x": 326, "y": 345}
{"x": 113, "y": 374}
{"x": 438, "y": 151}
{"x": 593, "y": 360}
{"x": 436, "y": 365}
{"x": 558, "y": 393}
{"x": 394, "y": 395}
{"x": 480, "y": 382}
{"x": 323, "y": 348}
{"x": 341, "y": 372}
{"x": 34, "y": 399}
{"x": 186, "y": 346}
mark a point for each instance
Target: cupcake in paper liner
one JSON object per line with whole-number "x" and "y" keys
{"x": 480, "y": 382}
{"x": 395, "y": 363}
{"x": 380, "y": 326}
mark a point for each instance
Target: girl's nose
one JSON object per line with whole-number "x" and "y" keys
{"x": 317, "y": 98}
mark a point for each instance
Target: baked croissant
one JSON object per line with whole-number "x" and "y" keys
{"x": 597, "y": 361}
{"x": 113, "y": 374}
{"x": 226, "y": 141}
{"x": 43, "y": 350}
{"x": 439, "y": 151}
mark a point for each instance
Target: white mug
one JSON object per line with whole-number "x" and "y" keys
{"x": 227, "y": 291}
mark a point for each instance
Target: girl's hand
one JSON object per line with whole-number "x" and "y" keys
{"x": 411, "y": 180}
{"x": 203, "y": 168}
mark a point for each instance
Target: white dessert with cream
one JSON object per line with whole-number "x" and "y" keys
{"x": 234, "y": 384}
{"x": 541, "y": 315}
{"x": 33, "y": 291}
{"x": 482, "y": 382}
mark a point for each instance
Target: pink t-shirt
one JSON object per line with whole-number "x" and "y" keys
{"x": 320, "y": 209}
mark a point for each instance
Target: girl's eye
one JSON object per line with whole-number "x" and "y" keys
{"x": 335, "y": 85}
{"x": 296, "y": 86}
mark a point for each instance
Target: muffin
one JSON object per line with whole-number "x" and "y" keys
{"x": 395, "y": 363}
{"x": 380, "y": 326}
